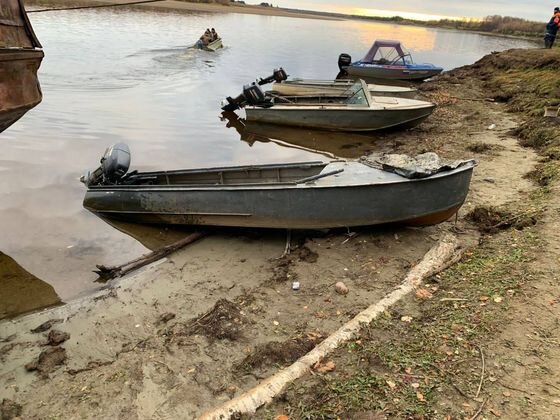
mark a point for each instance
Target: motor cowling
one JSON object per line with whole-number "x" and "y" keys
{"x": 344, "y": 60}
{"x": 253, "y": 94}
{"x": 114, "y": 165}
{"x": 278, "y": 76}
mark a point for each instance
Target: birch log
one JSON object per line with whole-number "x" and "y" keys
{"x": 437, "y": 259}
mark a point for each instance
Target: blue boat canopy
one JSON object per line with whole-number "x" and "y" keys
{"x": 387, "y": 52}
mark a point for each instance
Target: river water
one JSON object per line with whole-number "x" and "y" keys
{"x": 128, "y": 76}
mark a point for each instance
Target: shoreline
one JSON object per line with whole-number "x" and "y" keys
{"x": 181, "y": 6}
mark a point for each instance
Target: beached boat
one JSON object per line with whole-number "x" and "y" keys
{"x": 357, "y": 110}
{"x": 303, "y": 87}
{"x": 310, "y": 195}
{"x": 20, "y": 58}
{"x": 387, "y": 60}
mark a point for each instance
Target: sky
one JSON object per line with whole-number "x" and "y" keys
{"x": 430, "y": 9}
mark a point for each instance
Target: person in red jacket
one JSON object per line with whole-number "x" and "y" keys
{"x": 552, "y": 29}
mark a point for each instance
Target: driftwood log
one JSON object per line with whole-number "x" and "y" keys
{"x": 107, "y": 273}
{"x": 440, "y": 257}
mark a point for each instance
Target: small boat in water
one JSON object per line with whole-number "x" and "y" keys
{"x": 356, "y": 110}
{"x": 303, "y": 87}
{"x": 309, "y": 195}
{"x": 20, "y": 58}
{"x": 214, "y": 45}
{"x": 387, "y": 60}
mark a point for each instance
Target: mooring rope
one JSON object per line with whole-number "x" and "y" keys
{"x": 96, "y": 6}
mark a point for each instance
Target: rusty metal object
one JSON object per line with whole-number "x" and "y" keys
{"x": 20, "y": 58}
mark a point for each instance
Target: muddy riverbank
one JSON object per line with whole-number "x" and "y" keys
{"x": 216, "y": 318}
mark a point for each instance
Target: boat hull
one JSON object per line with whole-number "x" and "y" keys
{"x": 333, "y": 89}
{"x": 213, "y": 46}
{"x": 340, "y": 119}
{"x": 372, "y": 71}
{"x": 19, "y": 86}
{"x": 424, "y": 201}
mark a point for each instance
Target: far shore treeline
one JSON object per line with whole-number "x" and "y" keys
{"x": 503, "y": 25}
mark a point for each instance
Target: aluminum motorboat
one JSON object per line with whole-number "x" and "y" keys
{"x": 387, "y": 59}
{"x": 307, "y": 195}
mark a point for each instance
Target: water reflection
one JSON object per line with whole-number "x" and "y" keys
{"x": 330, "y": 144}
{"x": 21, "y": 291}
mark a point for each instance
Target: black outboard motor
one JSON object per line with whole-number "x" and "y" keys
{"x": 114, "y": 166}
{"x": 344, "y": 60}
{"x": 278, "y": 76}
{"x": 252, "y": 95}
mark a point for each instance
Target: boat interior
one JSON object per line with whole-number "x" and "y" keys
{"x": 356, "y": 94}
{"x": 291, "y": 173}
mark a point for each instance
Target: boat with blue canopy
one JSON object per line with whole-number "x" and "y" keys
{"x": 387, "y": 59}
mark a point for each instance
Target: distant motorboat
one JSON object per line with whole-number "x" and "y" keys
{"x": 307, "y": 195}
{"x": 387, "y": 59}
{"x": 355, "y": 110}
{"x": 20, "y": 57}
{"x": 212, "y": 46}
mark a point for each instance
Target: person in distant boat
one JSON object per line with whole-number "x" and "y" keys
{"x": 214, "y": 34}
{"x": 552, "y": 29}
{"x": 205, "y": 39}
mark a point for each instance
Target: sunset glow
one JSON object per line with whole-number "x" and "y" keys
{"x": 390, "y": 13}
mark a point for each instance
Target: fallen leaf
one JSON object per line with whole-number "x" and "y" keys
{"x": 282, "y": 417}
{"x": 423, "y": 294}
{"x": 415, "y": 385}
{"x": 275, "y": 322}
{"x": 483, "y": 298}
{"x": 391, "y": 384}
{"x": 507, "y": 394}
{"x": 408, "y": 370}
{"x": 498, "y": 299}
{"x": 420, "y": 397}
{"x": 406, "y": 319}
{"x": 325, "y": 367}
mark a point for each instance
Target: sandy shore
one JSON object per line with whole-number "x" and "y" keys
{"x": 181, "y": 6}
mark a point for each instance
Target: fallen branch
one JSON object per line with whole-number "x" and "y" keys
{"x": 479, "y": 410}
{"x": 482, "y": 373}
{"x": 110, "y": 272}
{"x": 441, "y": 256}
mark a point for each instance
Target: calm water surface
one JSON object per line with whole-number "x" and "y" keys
{"x": 124, "y": 75}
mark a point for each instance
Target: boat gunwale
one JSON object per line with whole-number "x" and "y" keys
{"x": 468, "y": 166}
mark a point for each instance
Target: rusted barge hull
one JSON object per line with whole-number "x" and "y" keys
{"x": 19, "y": 86}
{"x": 20, "y": 58}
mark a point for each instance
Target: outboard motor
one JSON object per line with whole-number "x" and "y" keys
{"x": 114, "y": 165}
{"x": 278, "y": 76}
{"x": 344, "y": 60}
{"x": 252, "y": 95}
